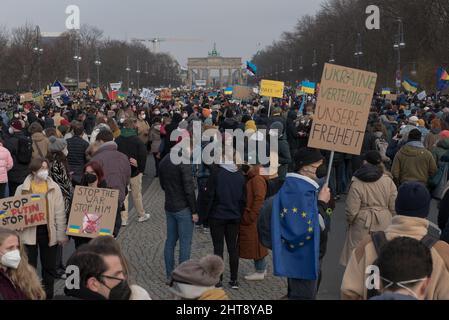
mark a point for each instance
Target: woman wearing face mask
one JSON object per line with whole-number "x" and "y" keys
{"x": 43, "y": 240}
{"x": 143, "y": 128}
{"x": 94, "y": 178}
{"x": 18, "y": 279}
{"x": 370, "y": 204}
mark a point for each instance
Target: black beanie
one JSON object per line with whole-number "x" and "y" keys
{"x": 414, "y": 135}
{"x": 373, "y": 157}
{"x": 307, "y": 156}
{"x": 413, "y": 200}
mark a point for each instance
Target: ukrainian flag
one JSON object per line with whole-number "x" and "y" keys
{"x": 228, "y": 91}
{"x": 105, "y": 232}
{"x": 35, "y": 197}
{"x": 308, "y": 87}
{"x": 410, "y": 86}
{"x": 74, "y": 229}
{"x": 2, "y": 214}
{"x": 386, "y": 91}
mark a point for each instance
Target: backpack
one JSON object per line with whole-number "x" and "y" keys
{"x": 382, "y": 146}
{"x": 379, "y": 240}
{"x": 24, "y": 150}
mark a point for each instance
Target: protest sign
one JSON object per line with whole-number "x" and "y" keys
{"x": 342, "y": 109}
{"x": 25, "y": 97}
{"x": 23, "y": 211}
{"x": 391, "y": 97}
{"x": 200, "y": 83}
{"x": 242, "y": 93}
{"x": 93, "y": 212}
{"x": 166, "y": 95}
{"x": 274, "y": 89}
{"x": 55, "y": 92}
{"x": 115, "y": 86}
{"x": 422, "y": 95}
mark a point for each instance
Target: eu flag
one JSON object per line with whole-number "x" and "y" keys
{"x": 296, "y": 229}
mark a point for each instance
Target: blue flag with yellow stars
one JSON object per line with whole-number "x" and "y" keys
{"x": 296, "y": 229}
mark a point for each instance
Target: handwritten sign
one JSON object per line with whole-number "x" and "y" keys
{"x": 25, "y": 97}
{"x": 93, "y": 212}
{"x": 23, "y": 211}
{"x": 242, "y": 93}
{"x": 269, "y": 88}
{"x": 342, "y": 109}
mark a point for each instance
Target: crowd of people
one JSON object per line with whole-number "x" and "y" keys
{"x": 50, "y": 149}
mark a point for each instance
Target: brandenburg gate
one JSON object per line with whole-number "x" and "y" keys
{"x": 202, "y": 68}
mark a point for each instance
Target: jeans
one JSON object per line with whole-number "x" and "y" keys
{"x": 300, "y": 289}
{"x": 47, "y": 257}
{"x": 260, "y": 265}
{"x": 3, "y": 190}
{"x": 228, "y": 230}
{"x": 179, "y": 226}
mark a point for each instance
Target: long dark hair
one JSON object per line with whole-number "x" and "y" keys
{"x": 98, "y": 169}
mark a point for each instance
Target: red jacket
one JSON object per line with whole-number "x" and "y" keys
{"x": 8, "y": 291}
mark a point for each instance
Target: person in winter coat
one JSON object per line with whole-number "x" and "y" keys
{"x": 180, "y": 208}
{"x": 143, "y": 128}
{"x": 116, "y": 166}
{"x": 40, "y": 141}
{"x": 155, "y": 140}
{"x": 369, "y": 204}
{"x": 77, "y": 148}
{"x": 412, "y": 209}
{"x": 89, "y": 121}
{"x": 442, "y": 147}
{"x": 226, "y": 199}
{"x": 196, "y": 279}
{"x": 6, "y": 164}
{"x": 19, "y": 171}
{"x": 129, "y": 144}
{"x": 283, "y": 148}
{"x": 405, "y": 265}
{"x": 43, "y": 240}
{"x": 249, "y": 244}
{"x": 292, "y": 135}
{"x": 18, "y": 279}
{"x": 443, "y": 215}
{"x": 413, "y": 162}
{"x": 434, "y": 134}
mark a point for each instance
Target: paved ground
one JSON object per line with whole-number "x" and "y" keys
{"x": 143, "y": 244}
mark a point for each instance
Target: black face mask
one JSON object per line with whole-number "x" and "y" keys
{"x": 90, "y": 178}
{"x": 321, "y": 172}
{"x": 122, "y": 291}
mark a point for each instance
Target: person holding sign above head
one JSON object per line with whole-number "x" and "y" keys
{"x": 18, "y": 279}
{"x": 43, "y": 240}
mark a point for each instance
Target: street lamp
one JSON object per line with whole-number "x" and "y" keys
{"x": 332, "y": 59}
{"x": 98, "y": 64}
{"x": 77, "y": 58}
{"x": 301, "y": 67}
{"x": 358, "y": 49}
{"x": 38, "y": 52}
{"x": 314, "y": 65}
{"x": 399, "y": 44}
{"x": 138, "y": 75}
{"x": 128, "y": 70}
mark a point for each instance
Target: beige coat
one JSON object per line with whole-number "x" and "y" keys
{"x": 40, "y": 141}
{"x": 143, "y": 130}
{"x": 369, "y": 208}
{"x": 57, "y": 221}
{"x": 353, "y": 285}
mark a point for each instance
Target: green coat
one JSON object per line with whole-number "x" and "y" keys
{"x": 413, "y": 164}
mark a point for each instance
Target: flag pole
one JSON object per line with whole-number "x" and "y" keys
{"x": 329, "y": 169}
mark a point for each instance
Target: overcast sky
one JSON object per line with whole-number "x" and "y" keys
{"x": 237, "y": 26}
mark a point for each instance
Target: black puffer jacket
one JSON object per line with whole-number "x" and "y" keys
{"x": 76, "y": 158}
{"x": 177, "y": 182}
{"x": 19, "y": 171}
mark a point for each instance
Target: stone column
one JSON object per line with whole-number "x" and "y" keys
{"x": 221, "y": 77}
{"x": 230, "y": 77}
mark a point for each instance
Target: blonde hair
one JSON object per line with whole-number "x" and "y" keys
{"x": 25, "y": 276}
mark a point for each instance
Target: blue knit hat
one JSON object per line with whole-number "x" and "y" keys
{"x": 413, "y": 200}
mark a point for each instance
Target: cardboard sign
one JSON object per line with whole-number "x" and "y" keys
{"x": 25, "y": 97}
{"x": 342, "y": 109}
{"x": 269, "y": 88}
{"x": 115, "y": 86}
{"x": 83, "y": 85}
{"x": 391, "y": 97}
{"x": 93, "y": 212}
{"x": 242, "y": 93}
{"x": 23, "y": 211}
{"x": 166, "y": 95}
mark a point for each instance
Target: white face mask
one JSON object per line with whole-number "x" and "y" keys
{"x": 143, "y": 116}
{"x": 185, "y": 115}
{"x": 42, "y": 175}
{"x": 11, "y": 259}
{"x": 122, "y": 120}
{"x": 65, "y": 152}
{"x": 157, "y": 112}
{"x": 11, "y": 131}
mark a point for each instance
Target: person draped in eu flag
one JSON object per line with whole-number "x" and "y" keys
{"x": 296, "y": 224}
